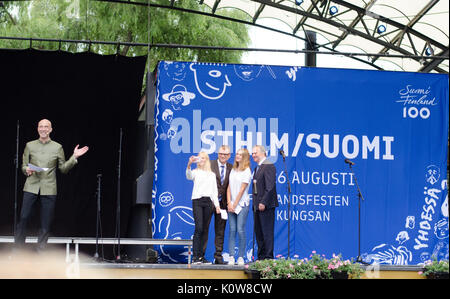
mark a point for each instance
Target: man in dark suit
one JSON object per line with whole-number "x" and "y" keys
{"x": 222, "y": 170}
{"x": 264, "y": 202}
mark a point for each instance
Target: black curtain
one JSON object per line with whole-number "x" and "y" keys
{"x": 88, "y": 98}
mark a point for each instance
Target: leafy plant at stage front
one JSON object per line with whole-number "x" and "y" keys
{"x": 336, "y": 264}
{"x": 314, "y": 267}
{"x": 434, "y": 266}
{"x": 284, "y": 269}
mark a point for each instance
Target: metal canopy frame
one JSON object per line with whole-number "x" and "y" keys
{"x": 354, "y": 23}
{"x": 355, "y": 20}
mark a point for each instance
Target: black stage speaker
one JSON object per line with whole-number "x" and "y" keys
{"x": 140, "y": 217}
{"x": 144, "y": 182}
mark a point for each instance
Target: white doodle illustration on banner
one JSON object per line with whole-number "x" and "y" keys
{"x": 441, "y": 229}
{"x": 388, "y": 255}
{"x": 175, "y": 70}
{"x": 167, "y": 117}
{"x": 433, "y": 174}
{"x": 440, "y": 251}
{"x": 429, "y": 222}
{"x": 410, "y": 222}
{"x": 247, "y": 72}
{"x": 444, "y": 206}
{"x": 269, "y": 69}
{"x": 171, "y": 132}
{"x": 425, "y": 256}
{"x": 166, "y": 199}
{"x": 292, "y": 73}
{"x": 178, "y": 216}
{"x": 178, "y": 96}
{"x": 212, "y": 83}
{"x": 402, "y": 237}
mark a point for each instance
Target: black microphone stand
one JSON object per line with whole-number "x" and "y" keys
{"x": 99, "y": 182}
{"x": 254, "y": 215}
{"x": 253, "y": 237}
{"x": 118, "y": 259}
{"x": 358, "y": 258}
{"x": 289, "y": 203}
{"x": 16, "y": 163}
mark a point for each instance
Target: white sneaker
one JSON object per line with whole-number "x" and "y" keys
{"x": 231, "y": 261}
{"x": 240, "y": 261}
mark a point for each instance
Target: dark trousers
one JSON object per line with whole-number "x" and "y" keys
{"x": 219, "y": 236}
{"x": 47, "y": 211}
{"x": 264, "y": 229}
{"x": 202, "y": 209}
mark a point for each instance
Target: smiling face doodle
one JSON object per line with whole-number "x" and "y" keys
{"x": 247, "y": 72}
{"x": 175, "y": 70}
{"x": 211, "y": 83}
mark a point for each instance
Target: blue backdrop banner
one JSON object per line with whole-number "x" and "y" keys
{"x": 392, "y": 125}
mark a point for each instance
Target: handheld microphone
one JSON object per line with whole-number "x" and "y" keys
{"x": 282, "y": 154}
{"x": 349, "y": 162}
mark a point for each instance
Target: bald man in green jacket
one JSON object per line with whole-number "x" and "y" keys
{"x": 46, "y": 155}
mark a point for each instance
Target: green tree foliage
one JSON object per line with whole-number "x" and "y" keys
{"x": 119, "y": 23}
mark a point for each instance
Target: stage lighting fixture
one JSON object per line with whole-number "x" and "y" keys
{"x": 333, "y": 10}
{"x": 298, "y": 2}
{"x": 381, "y": 29}
{"x": 429, "y": 51}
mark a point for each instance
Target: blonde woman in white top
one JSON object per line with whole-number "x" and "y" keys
{"x": 204, "y": 201}
{"x": 238, "y": 203}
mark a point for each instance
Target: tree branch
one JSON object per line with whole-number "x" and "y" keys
{"x": 7, "y": 12}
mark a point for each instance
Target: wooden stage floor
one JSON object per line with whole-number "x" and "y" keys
{"x": 54, "y": 265}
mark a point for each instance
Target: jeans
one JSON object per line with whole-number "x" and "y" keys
{"x": 47, "y": 211}
{"x": 202, "y": 209}
{"x": 237, "y": 224}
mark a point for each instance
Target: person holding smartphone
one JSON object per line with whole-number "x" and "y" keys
{"x": 204, "y": 202}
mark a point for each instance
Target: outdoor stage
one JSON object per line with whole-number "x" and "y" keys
{"x": 401, "y": 216}
{"x": 53, "y": 264}
{"x": 180, "y": 271}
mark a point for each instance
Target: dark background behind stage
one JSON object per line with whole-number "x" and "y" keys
{"x": 88, "y": 98}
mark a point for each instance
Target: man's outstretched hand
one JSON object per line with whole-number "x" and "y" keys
{"x": 78, "y": 152}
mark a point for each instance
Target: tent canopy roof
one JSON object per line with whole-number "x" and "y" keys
{"x": 416, "y": 29}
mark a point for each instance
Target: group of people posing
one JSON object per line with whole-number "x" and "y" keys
{"x": 219, "y": 185}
